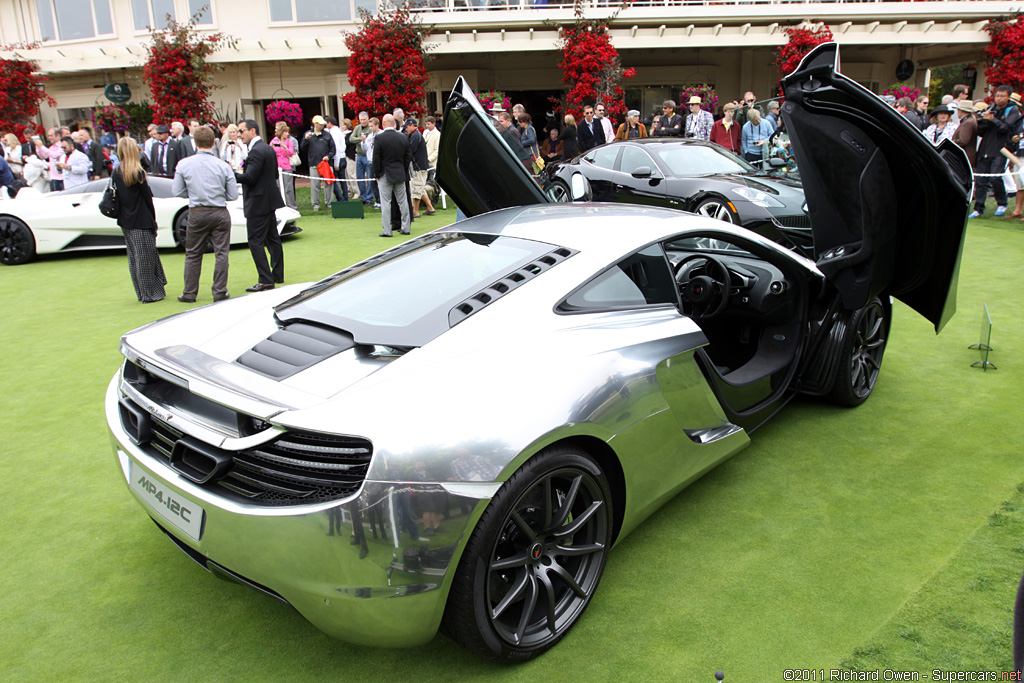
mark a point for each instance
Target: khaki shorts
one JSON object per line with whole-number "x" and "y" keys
{"x": 418, "y": 184}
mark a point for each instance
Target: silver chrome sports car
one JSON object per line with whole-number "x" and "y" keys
{"x": 35, "y": 223}
{"x": 454, "y": 433}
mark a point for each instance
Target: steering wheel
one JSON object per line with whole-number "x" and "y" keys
{"x": 705, "y": 283}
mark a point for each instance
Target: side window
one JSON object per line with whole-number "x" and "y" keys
{"x": 642, "y": 279}
{"x": 603, "y": 156}
{"x": 633, "y": 158}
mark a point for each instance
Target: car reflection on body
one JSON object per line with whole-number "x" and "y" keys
{"x": 547, "y": 374}
{"x": 35, "y": 223}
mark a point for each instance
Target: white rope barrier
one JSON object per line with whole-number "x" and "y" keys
{"x": 442, "y": 195}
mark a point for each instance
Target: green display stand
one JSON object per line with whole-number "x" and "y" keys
{"x": 346, "y": 209}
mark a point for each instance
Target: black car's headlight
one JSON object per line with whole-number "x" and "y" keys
{"x": 758, "y": 198}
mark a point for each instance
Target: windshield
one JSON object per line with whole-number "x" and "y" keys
{"x": 690, "y": 160}
{"x": 403, "y": 298}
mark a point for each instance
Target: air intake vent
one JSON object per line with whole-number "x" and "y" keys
{"x": 496, "y": 290}
{"x": 293, "y": 348}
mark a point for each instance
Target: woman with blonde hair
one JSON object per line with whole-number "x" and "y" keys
{"x": 284, "y": 147}
{"x": 12, "y": 153}
{"x": 754, "y": 136}
{"x": 570, "y": 147}
{"x": 233, "y": 150}
{"x": 136, "y": 216}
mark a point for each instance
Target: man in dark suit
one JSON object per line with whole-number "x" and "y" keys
{"x": 93, "y": 150}
{"x": 181, "y": 146}
{"x": 260, "y": 199}
{"x": 391, "y": 159}
{"x": 589, "y": 132}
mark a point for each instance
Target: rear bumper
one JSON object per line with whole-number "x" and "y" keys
{"x": 338, "y": 564}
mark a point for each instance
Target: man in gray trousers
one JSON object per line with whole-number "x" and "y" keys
{"x": 209, "y": 184}
{"x": 392, "y": 158}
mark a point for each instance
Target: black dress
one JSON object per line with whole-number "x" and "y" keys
{"x": 570, "y": 147}
{"x": 137, "y": 219}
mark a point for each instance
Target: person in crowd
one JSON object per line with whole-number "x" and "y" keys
{"x": 749, "y": 102}
{"x": 94, "y": 151}
{"x": 339, "y": 162}
{"x": 995, "y": 128}
{"x": 754, "y": 136}
{"x": 517, "y": 109}
{"x": 364, "y": 171}
{"x": 588, "y": 132}
{"x": 136, "y": 216}
{"x": 367, "y": 145}
{"x": 110, "y": 152}
{"x": 966, "y": 133}
{"x": 552, "y": 148}
{"x": 179, "y": 147}
{"x": 151, "y": 139}
{"x": 606, "y": 123}
{"x": 316, "y": 146}
{"x": 632, "y": 128}
{"x": 726, "y": 130}
{"x": 8, "y": 186}
{"x": 53, "y": 153}
{"x": 570, "y": 146}
{"x": 772, "y": 116}
{"x": 232, "y": 150}
{"x": 698, "y": 122}
{"x": 420, "y": 166}
{"x": 12, "y": 152}
{"x": 432, "y": 136}
{"x": 162, "y": 151}
{"x": 259, "y": 202}
{"x": 944, "y": 126}
{"x": 919, "y": 114}
{"x": 904, "y": 106}
{"x": 528, "y": 137}
{"x": 283, "y": 145}
{"x": 392, "y": 156}
{"x": 961, "y": 93}
{"x": 670, "y": 123}
{"x": 73, "y": 164}
{"x": 209, "y": 184}
{"x": 36, "y": 172}
{"x": 350, "y": 159}
{"x": 507, "y": 131}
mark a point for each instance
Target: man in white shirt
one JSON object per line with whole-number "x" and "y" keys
{"x": 433, "y": 137}
{"x": 340, "y": 163}
{"x": 73, "y": 164}
{"x": 606, "y": 123}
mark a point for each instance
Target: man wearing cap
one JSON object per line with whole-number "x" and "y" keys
{"x": 944, "y": 126}
{"x": 670, "y": 123}
{"x": 420, "y": 166}
{"x": 726, "y": 130}
{"x": 995, "y": 128}
{"x": 632, "y": 128}
{"x": 698, "y": 121}
{"x": 318, "y": 145}
{"x": 161, "y": 149}
{"x": 966, "y": 133}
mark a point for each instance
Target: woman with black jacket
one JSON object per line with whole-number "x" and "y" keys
{"x": 571, "y": 148}
{"x": 136, "y": 217}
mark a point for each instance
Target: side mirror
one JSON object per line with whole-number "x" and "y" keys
{"x": 642, "y": 172}
{"x": 776, "y": 162}
{"x": 579, "y": 187}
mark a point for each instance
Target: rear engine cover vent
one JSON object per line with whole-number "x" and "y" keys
{"x": 293, "y": 348}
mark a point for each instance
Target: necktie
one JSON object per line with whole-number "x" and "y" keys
{"x": 160, "y": 158}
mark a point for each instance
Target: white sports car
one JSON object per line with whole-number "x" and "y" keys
{"x": 35, "y": 223}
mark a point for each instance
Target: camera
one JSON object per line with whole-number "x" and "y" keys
{"x": 691, "y": 134}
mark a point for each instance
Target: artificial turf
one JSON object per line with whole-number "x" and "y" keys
{"x": 887, "y": 536}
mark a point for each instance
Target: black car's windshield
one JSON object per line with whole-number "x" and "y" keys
{"x": 690, "y": 160}
{"x": 403, "y": 298}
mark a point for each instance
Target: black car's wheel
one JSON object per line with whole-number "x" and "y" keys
{"x": 558, "y": 191}
{"x": 712, "y": 207}
{"x": 535, "y": 558}
{"x": 861, "y": 351}
{"x": 17, "y": 243}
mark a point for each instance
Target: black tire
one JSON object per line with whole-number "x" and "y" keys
{"x": 861, "y": 352}
{"x": 180, "y": 223}
{"x": 716, "y": 208}
{"x": 558, "y": 191}
{"x": 17, "y": 243}
{"x": 534, "y": 559}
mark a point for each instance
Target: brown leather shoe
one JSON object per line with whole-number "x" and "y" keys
{"x": 260, "y": 287}
{"x": 221, "y": 298}
{"x": 187, "y": 299}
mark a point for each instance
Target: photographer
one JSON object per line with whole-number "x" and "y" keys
{"x": 232, "y": 149}
{"x": 995, "y": 128}
{"x": 698, "y": 122}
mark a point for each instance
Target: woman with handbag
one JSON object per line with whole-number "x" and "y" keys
{"x": 287, "y": 159}
{"x": 136, "y": 216}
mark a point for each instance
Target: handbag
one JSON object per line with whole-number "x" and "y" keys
{"x": 295, "y": 159}
{"x": 109, "y": 206}
{"x": 537, "y": 160}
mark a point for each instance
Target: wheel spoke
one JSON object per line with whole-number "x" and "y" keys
{"x": 521, "y": 523}
{"x": 548, "y": 503}
{"x": 571, "y": 550}
{"x": 855, "y": 379}
{"x": 550, "y": 591}
{"x": 570, "y": 498}
{"x": 566, "y": 577}
{"x": 513, "y": 594}
{"x": 519, "y": 560}
{"x": 579, "y": 521}
{"x": 531, "y": 604}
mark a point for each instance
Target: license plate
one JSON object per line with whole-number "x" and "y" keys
{"x": 180, "y": 512}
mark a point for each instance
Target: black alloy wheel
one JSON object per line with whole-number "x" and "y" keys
{"x": 535, "y": 558}
{"x": 716, "y": 208}
{"x": 861, "y": 351}
{"x": 17, "y": 243}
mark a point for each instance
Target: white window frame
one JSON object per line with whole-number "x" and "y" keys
{"x": 353, "y": 17}
{"x": 149, "y": 20}
{"x": 56, "y": 26}
{"x": 212, "y": 25}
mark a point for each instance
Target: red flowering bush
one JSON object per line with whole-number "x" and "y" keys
{"x": 491, "y": 97}
{"x": 899, "y": 90}
{"x": 282, "y": 110}
{"x": 708, "y": 97}
{"x": 629, "y": 73}
{"x": 590, "y": 65}
{"x": 1005, "y": 53}
{"x": 386, "y": 65}
{"x": 178, "y": 73}
{"x": 21, "y": 91}
{"x": 801, "y": 41}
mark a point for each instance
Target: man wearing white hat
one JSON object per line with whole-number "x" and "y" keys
{"x": 698, "y": 122}
{"x": 317, "y": 146}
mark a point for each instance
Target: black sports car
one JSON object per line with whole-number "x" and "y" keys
{"x": 687, "y": 174}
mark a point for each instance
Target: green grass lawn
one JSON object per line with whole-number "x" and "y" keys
{"x": 888, "y": 536}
